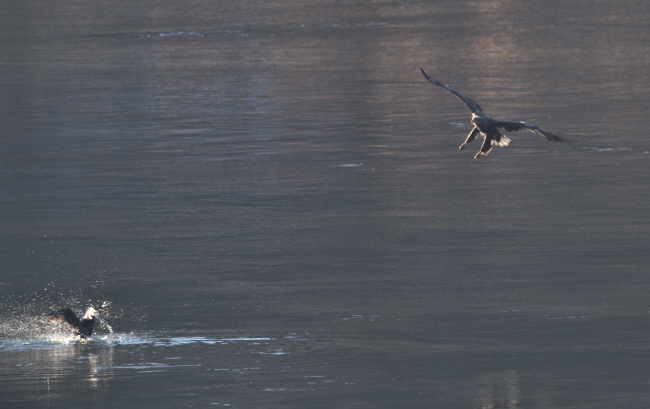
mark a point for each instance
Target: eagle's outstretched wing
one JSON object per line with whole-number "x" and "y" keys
{"x": 473, "y": 106}
{"x": 513, "y": 126}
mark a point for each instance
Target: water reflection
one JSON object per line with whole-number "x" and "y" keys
{"x": 40, "y": 362}
{"x": 66, "y": 360}
{"x": 499, "y": 390}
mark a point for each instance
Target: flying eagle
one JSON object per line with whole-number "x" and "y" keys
{"x": 489, "y": 127}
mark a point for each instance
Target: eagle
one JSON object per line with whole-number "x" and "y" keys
{"x": 489, "y": 127}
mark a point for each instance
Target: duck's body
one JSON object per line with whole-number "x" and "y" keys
{"x": 489, "y": 127}
{"x": 82, "y": 327}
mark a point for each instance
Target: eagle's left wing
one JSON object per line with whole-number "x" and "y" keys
{"x": 513, "y": 126}
{"x": 473, "y": 106}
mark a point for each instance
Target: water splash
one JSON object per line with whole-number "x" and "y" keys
{"x": 23, "y": 317}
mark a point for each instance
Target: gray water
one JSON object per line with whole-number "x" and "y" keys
{"x": 272, "y": 198}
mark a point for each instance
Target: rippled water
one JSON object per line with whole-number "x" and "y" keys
{"x": 272, "y": 199}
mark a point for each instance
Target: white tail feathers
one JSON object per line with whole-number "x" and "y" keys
{"x": 502, "y": 141}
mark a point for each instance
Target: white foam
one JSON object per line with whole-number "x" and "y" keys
{"x": 58, "y": 341}
{"x": 612, "y": 149}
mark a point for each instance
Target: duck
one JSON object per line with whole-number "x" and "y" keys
{"x": 81, "y": 327}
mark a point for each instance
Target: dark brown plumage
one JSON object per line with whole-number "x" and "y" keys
{"x": 82, "y": 327}
{"x": 489, "y": 127}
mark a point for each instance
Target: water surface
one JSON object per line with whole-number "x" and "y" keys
{"x": 272, "y": 198}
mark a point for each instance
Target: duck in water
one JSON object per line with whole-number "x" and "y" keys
{"x": 489, "y": 127}
{"x": 82, "y": 327}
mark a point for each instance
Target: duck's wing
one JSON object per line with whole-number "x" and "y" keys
{"x": 514, "y": 126}
{"x": 65, "y": 315}
{"x": 473, "y": 106}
